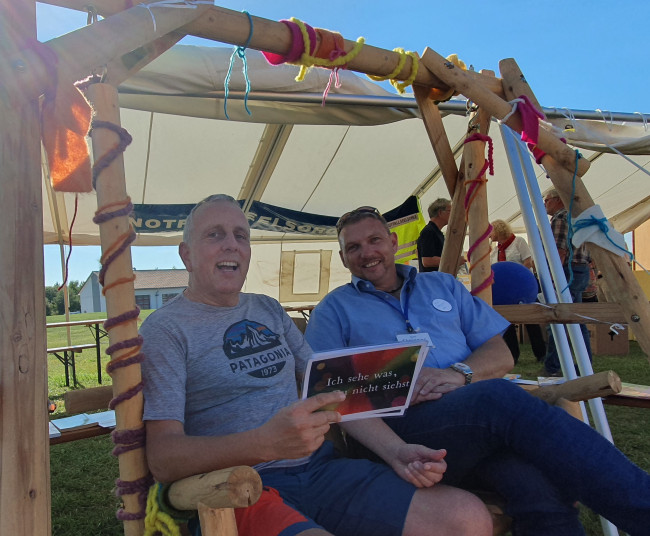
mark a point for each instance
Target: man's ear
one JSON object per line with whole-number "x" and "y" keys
{"x": 394, "y": 241}
{"x": 184, "y": 252}
{"x": 342, "y": 258}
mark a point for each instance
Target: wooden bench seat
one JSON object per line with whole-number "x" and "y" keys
{"x": 65, "y": 354}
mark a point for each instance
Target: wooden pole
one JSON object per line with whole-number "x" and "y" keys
{"x": 217, "y": 521}
{"x": 111, "y": 189}
{"x": 622, "y": 286}
{"x": 24, "y": 442}
{"x": 437, "y": 136}
{"x": 497, "y": 107}
{"x": 95, "y": 45}
{"x": 477, "y": 220}
{"x": 233, "y": 27}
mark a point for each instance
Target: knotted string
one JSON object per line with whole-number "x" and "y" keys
{"x": 241, "y": 52}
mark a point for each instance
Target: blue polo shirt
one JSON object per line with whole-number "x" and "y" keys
{"x": 357, "y": 314}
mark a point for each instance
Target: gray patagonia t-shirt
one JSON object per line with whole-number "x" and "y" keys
{"x": 220, "y": 370}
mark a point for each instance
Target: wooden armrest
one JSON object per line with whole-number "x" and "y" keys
{"x": 597, "y": 385}
{"x": 235, "y": 487}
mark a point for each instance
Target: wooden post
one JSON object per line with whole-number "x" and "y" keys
{"x": 477, "y": 218}
{"x": 622, "y": 286}
{"x": 111, "y": 188}
{"x": 24, "y": 442}
{"x": 217, "y": 521}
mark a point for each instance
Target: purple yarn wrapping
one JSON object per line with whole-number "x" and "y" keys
{"x": 114, "y": 255}
{"x": 121, "y": 345}
{"x": 141, "y": 487}
{"x": 105, "y": 216}
{"x": 125, "y": 395}
{"x": 114, "y": 365}
{"x": 114, "y": 321}
{"x": 126, "y": 440}
{"x": 105, "y": 161}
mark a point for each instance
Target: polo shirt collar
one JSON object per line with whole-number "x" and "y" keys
{"x": 408, "y": 273}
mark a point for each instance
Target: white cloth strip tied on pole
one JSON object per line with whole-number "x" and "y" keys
{"x": 530, "y": 200}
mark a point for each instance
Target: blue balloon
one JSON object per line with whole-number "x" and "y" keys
{"x": 513, "y": 284}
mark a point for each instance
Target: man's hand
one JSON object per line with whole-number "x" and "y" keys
{"x": 299, "y": 429}
{"x": 432, "y": 383}
{"x": 421, "y": 466}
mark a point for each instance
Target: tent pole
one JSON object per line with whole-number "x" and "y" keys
{"x": 120, "y": 299}
{"x": 24, "y": 441}
{"x": 623, "y": 287}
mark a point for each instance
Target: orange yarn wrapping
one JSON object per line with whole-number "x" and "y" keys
{"x": 121, "y": 281}
{"x": 328, "y": 42}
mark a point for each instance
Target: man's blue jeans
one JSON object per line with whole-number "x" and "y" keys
{"x": 577, "y": 286}
{"x": 538, "y": 457}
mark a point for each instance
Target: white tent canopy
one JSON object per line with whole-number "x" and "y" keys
{"x": 366, "y": 146}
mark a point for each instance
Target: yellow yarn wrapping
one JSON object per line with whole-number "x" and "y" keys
{"x": 444, "y": 97}
{"x": 307, "y": 61}
{"x": 157, "y": 521}
{"x": 400, "y": 85}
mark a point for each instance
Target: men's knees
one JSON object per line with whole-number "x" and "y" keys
{"x": 454, "y": 512}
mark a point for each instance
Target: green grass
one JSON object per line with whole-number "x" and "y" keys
{"x": 84, "y": 472}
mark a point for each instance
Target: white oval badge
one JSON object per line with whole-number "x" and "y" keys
{"x": 441, "y": 305}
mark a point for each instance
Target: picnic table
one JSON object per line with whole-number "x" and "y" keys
{"x": 66, "y": 354}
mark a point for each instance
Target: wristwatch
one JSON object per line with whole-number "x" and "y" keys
{"x": 464, "y": 370}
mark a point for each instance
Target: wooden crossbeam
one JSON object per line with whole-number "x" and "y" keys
{"x": 233, "y": 27}
{"x": 562, "y": 313}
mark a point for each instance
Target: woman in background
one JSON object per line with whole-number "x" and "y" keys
{"x": 515, "y": 249}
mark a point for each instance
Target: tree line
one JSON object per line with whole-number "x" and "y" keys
{"x": 55, "y": 303}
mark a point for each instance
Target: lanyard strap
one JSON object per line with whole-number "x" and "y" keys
{"x": 404, "y": 312}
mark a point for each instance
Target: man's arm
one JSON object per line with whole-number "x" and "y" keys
{"x": 294, "y": 432}
{"x": 490, "y": 360}
{"x": 421, "y": 466}
{"x": 431, "y": 262}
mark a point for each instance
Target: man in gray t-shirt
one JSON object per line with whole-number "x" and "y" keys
{"x": 220, "y": 390}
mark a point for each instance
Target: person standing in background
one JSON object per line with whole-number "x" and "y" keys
{"x": 431, "y": 240}
{"x": 515, "y": 249}
{"x": 576, "y": 263}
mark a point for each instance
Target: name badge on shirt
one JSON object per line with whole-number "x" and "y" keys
{"x": 441, "y": 305}
{"x": 416, "y": 337}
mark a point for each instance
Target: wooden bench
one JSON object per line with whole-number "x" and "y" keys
{"x": 65, "y": 354}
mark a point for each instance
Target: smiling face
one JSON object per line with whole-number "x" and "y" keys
{"x": 217, "y": 254}
{"x": 368, "y": 251}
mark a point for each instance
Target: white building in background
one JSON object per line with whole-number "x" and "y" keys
{"x": 153, "y": 288}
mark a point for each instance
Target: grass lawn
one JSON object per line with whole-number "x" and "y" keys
{"x": 84, "y": 472}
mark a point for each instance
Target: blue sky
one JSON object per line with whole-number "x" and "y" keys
{"x": 583, "y": 55}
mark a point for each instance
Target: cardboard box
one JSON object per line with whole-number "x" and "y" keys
{"x": 606, "y": 342}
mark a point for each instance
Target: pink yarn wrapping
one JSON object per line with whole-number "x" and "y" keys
{"x": 297, "y": 45}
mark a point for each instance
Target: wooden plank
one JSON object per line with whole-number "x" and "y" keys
{"x": 24, "y": 451}
{"x": 562, "y": 313}
{"x": 498, "y": 108}
{"x": 91, "y": 399}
